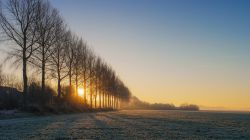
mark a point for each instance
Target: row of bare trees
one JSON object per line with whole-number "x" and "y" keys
{"x": 42, "y": 40}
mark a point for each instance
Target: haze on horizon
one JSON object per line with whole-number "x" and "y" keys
{"x": 173, "y": 51}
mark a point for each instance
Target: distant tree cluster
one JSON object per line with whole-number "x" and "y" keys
{"x": 43, "y": 41}
{"x": 135, "y": 103}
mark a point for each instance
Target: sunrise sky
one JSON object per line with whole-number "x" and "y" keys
{"x": 171, "y": 51}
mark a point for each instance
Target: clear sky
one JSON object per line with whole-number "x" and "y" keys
{"x": 171, "y": 51}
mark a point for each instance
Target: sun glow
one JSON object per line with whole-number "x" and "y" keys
{"x": 80, "y": 92}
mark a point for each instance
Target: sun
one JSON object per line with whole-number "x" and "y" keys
{"x": 80, "y": 92}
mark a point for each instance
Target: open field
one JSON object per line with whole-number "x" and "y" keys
{"x": 135, "y": 124}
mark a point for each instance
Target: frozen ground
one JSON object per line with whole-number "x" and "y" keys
{"x": 130, "y": 125}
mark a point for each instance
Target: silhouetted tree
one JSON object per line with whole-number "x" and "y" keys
{"x": 18, "y": 23}
{"x": 97, "y": 74}
{"x": 84, "y": 67}
{"x": 47, "y": 18}
{"x": 58, "y": 57}
{"x": 78, "y": 55}
{"x": 97, "y": 70}
{"x": 44, "y": 40}
{"x": 91, "y": 64}
{"x": 71, "y": 54}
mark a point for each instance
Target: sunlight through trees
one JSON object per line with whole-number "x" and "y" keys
{"x": 44, "y": 42}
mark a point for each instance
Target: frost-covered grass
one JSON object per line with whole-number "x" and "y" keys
{"x": 10, "y": 114}
{"x": 135, "y": 124}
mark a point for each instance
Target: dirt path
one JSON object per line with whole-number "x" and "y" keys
{"x": 130, "y": 125}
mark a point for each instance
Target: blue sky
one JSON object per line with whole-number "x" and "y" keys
{"x": 171, "y": 51}
{"x": 174, "y": 51}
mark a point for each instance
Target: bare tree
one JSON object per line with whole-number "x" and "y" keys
{"x": 97, "y": 80}
{"x": 41, "y": 38}
{"x": 91, "y": 64}
{"x": 58, "y": 57}
{"x": 71, "y": 54}
{"x": 84, "y": 68}
{"x": 46, "y": 25}
{"x": 78, "y": 56}
{"x": 17, "y": 21}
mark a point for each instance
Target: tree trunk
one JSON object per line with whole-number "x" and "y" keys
{"x": 108, "y": 100}
{"x": 76, "y": 80}
{"x": 95, "y": 100}
{"x": 25, "y": 79}
{"x": 106, "y": 105}
{"x": 85, "y": 87}
{"x": 100, "y": 99}
{"x": 59, "y": 88}
{"x": 70, "y": 80}
{"x": 59, "y": 78}
{"x": 70, "y": 74}
{"x": 43, "y": 76}
{"x": 43, "y": 69}
{"x": 70, "y": 77}
{"x": 103, "y": 99}
{"x": 113, "y": 102}
{"x": 116, "y": 103}
{"x": 91, "y": 94}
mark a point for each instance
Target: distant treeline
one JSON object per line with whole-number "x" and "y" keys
{"x": 41, "y": 41}
{"x": 135, "y": 103}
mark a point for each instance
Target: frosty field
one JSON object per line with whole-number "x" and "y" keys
{"x": 135, "y": 124}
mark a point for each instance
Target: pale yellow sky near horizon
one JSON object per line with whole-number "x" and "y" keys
{"x": 182, "y": 90}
